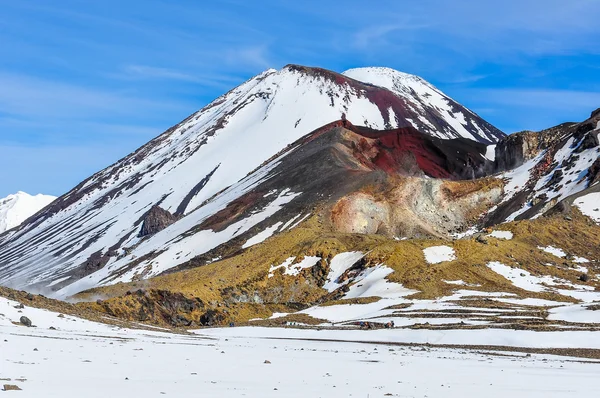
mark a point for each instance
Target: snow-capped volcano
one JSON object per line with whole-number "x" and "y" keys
{"x": 199, "y": 166}
{"x": 14, "y": 209}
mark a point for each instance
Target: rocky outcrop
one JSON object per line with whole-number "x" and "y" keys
{"x": 515, "y": 149}
{"x": 156, "y": 220}
{"x": 589, "y": 141}
{"x": 416, "y": 207}
{"x": 593, "y": 174}
{"x": 156, "y": 306}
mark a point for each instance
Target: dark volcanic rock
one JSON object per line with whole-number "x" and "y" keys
{"x": 589, "y": 141}
{"x": 25, "y": 321}
{"x": 593, "y": 174}
{"x": 212, "y": 318}
{"x": 156, "y": 220}
{"x": 515, "y": 149}
{"x": 556, "y": 178}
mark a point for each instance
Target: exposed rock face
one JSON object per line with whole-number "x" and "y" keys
{"x": 515, "y": 149}
{"x": 156, "y": 220}
{"x": 589, "y": 141}
{"x": 569, "y": 168}
{"x": 593, "y": 174}
{"x": 157, "y": 306}
{"x": 416, "y": 207}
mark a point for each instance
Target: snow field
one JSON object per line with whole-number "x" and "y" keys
{"x": 82, "y": 358}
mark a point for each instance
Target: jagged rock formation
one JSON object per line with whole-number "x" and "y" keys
{"x": 156, "y": 220}
{"x": 515, "y": 149}
{"x": 557, "y": 166}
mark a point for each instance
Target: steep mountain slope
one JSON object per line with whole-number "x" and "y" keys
{"x": 549, "y": 169}
{"x": 14, "y": 209}
{"x": 200, "y": 166}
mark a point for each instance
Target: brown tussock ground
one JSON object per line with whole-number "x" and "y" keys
{"x": 240, "y": 289}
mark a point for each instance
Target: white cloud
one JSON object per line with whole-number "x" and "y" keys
{"x": 34, "y": 98}
{"x": 250, "y": 57}
{"x": 554, "y": 99}
{"x": 145, "y": 71}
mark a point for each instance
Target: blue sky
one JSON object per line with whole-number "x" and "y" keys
{"x": 84, "y": 83}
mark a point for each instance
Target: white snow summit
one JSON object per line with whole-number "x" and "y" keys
{"x": 14, "y": 209}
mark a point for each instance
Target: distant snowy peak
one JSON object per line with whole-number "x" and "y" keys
{"x": 14, "y": 209}
{"x": 434, "y": 112}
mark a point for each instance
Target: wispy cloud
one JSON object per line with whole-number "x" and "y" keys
{"x": 516, "y": 109}
{"x": 152, "y": 72}
{"x": 31, "y": 97}
{"x": 251, "y": 56}
{"x": 378, "y": 35}
{"x": 369, "y": 36}
{"x": 550, "y": 99}
{"x": 466, "y": 78}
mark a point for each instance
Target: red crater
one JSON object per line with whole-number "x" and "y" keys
{"x": 406, "y": 151}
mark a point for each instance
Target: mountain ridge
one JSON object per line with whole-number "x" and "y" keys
{"x": 226, "y": 177}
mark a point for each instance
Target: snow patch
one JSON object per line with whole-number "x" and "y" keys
{"x": 589, "y": 205}
{"x": 262, "y": 236}
{"x": 340, "y": 264}
{"x": 554, "y": 251}
{"x": 490, "y": 152}
{"x": 506, "y": 235}
{"x": 439, "y": 254}
{"x": 372, "y": 283}
{"x": 294, "y": 269}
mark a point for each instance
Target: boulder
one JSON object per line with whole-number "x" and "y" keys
{"x": 25, "y": 321}
{"x": 481, "y": 238}
{"x": 156, "y": 220}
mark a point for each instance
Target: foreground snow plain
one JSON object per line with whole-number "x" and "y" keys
{"x": 82, "y": 358}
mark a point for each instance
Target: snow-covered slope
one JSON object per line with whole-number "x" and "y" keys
{"x": 92, "y": 229}
{"x": 564, "y": 165}
{"x": 424, "y": 99}
{"x": 14, "y": 209}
